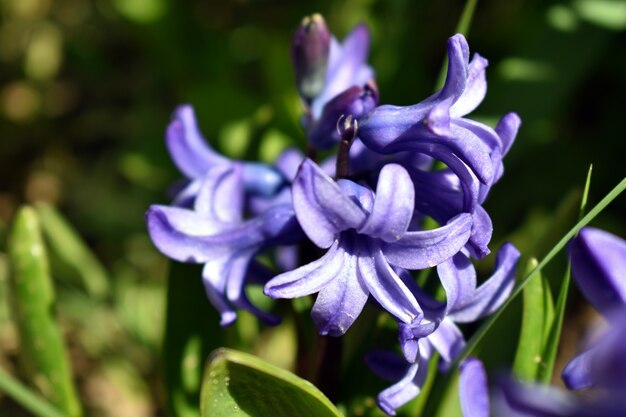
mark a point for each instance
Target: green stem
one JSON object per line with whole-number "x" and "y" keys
{"x": 25, "y": 397}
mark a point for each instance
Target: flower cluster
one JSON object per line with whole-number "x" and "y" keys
{"x": 396, "y": 170}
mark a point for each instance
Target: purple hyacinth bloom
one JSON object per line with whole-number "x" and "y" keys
{"x": 599, "y": 268}
{"x": 348, "y": 86}
{"x": 216, "y": 234}
{"x": 465, "y": 303}
{"x": 598, "y": 261}
{"x": 436, "y": 126}
{"x": 365, "y": 235}
{"x": 473, "y": 389}
{"x": 193, "y": 157}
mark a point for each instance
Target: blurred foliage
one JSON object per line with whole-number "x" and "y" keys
{"x": 87, "y": 87}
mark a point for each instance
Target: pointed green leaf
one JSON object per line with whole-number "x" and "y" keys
{"x": 537, "y": 317}
{"x": 238, "y": 384}
{"x": 71, "y": 257}
{"x": 42, "y": 351}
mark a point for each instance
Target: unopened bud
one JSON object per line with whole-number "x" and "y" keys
{"x": 310, "y": 49}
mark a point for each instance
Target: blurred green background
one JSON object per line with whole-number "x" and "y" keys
{"x": 87, "y": 89}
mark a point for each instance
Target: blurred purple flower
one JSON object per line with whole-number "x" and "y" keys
{"x": 473, "y": 389}
{"x": 598, "y": 261}
{"x": 365, "y": 236}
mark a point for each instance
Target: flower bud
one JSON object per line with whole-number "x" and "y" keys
{"x": 310, "y": 50}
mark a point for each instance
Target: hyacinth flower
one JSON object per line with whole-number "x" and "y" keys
{"x": 437, "y": 126}
{"x": 465, "y": 303}
{"x": 215, "y": 234}
{"x": 202, "y": 218}
{"x": 333, "y": 78}
{"x": 473, "y": 389}
{"x": 365, "y": 235}
{"x": 193, "y": 157}
{"x": 598, "y": 261}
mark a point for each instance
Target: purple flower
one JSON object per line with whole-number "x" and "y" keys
{"x": 338, "y": 83}
{"x": 216, "y": 234}
{"x": 365, "y": 235}
{"x": 194, "y": 158}
{"x": 465, "y": 303}
{"x": 599, "y": 268}
{"x": 598, "y": 261}
{"x": 436, "y": 126}
{"x": 473, "y": 389}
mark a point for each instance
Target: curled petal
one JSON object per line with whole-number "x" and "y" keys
{"x": 458, "y": 278}
{"x": 214, "y": 285}
{"x": 176, "y": 232}
{"x": 458, "y": 57}
{"x": 310, "y": 278}
{"x": 473, "y": 390}
{"x": 475, "y": 88}
{"x": 321, "y": 207}
{"x": 480, "y": 237}
{"x": 494, "y": 291}
{"x": 223, "y": 180}
{"x": 262, "y": 179}
{"x": 578, "y": 373}
{"x": 393, "y": 205}
{"x": 598, "y": 265}
{"x": 409, "y": 336}
{"x": 189, "y": 150}
{"x": 340, "y": 302}
{"x": 425, "y": 249}
{"x": 385, "y": 286}
{"x": 448, "y": 341}
{"x": 507, "y": 130}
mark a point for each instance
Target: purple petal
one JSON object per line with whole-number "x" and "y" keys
{"x": 507, "y": 130}
{"x": 214, "y": 285}
{"x": 473, "y": 391}
{"x": 475, "y": 88}
{"x": 480, "y": 237}
{"x": 438, "y": 118}
{"x": 385, "y": 286}
{"x": 458, "y": 278}
{"x": 599, "y": 265}
{"x": 347, "y": 65}
{"x": 494, "y": 291}
{"x": 425, "y": 249}
{"x": 393, "y": 205}
{"x": 189, "y": 150}
{"x": 387, "y": 365}
{"x": 223, "y": 180}
{"x": 356, "y": 101}
{"x": 321, "y": 207}
{"x": 176, "y": 231}
{"x": 407, "y": 388}
{"x": 448, "y": 341}
{"x": 289, "y": 161}
{"x": 410, "y": 335}
{"x": 458, "y": 57}
{"x": 310, "y": 278}
{"x": 262, "y": 179}
{"x": 577, "y": 374}
{"x": 340, "y": 302}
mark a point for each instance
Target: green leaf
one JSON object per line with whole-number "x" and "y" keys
{"x": 238, "y": 384}
{"x": 537, "y": 319}
{"x": 27, "y": 398}
{"x": 71, "y": 257}
{"x": 42, "y": 352}
{"x": 552, "y": 345}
